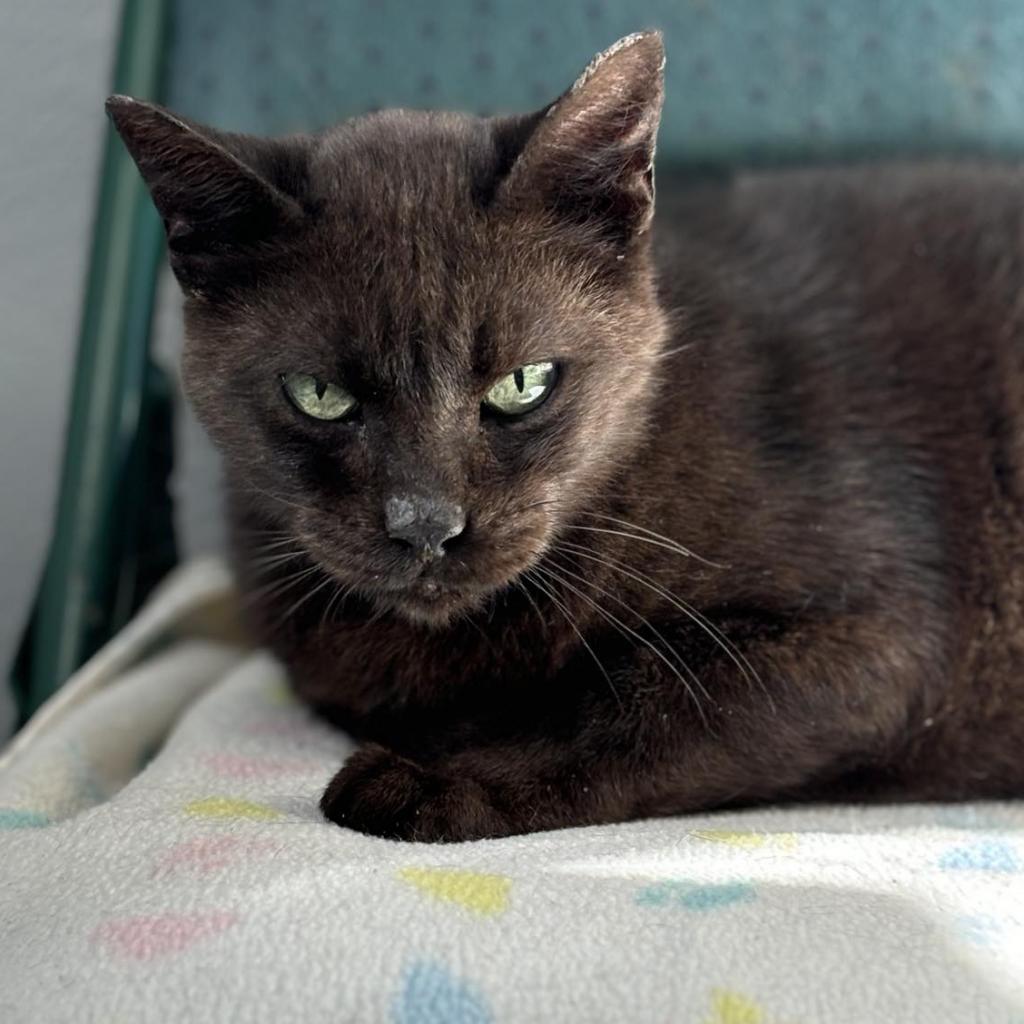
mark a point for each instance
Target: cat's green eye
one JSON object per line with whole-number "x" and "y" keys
{"x": 523, "y": 389}
{"x": 317, "y": 398}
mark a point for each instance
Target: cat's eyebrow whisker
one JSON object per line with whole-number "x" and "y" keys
{"x": 731, "y": 650}
{"x": 560, "y": 605}
{"x": 657, "y": 536}
{"x": 621, "y": 626}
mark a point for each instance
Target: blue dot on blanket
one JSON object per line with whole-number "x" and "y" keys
{"x": 990, "y": 855}
{"x": 694, "y": 897}
{"x": 10, "y": 818}
{"x": 432, "y": 995}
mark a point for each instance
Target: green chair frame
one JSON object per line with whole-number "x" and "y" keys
{"x": 112, "y": 538}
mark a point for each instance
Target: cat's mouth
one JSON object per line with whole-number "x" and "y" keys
{"x": 427, "y": 600}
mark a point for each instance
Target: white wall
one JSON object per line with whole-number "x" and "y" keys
{"x": 56, "y": 60}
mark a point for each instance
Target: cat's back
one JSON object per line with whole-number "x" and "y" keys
{"x": 877, "y": 282}
{"x": 781, "y": 235}
{"x": 874, "y": 317}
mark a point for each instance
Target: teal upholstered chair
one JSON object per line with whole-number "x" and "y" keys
{"x": 748, "y": 81}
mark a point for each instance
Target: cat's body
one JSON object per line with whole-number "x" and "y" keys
{"x": 816, "y": 386}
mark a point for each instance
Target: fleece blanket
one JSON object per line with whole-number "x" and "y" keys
{"x": 162, "y": 859}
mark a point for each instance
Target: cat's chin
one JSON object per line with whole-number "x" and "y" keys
{"x": 429, "y": 604}
{"x": 434, "y": 614}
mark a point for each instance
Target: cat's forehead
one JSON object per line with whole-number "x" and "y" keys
{"x": 414, "y": 266}
{"x": 406, "y": 166}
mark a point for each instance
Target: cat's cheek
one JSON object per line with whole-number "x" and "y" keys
{"x": 381, "y": 793}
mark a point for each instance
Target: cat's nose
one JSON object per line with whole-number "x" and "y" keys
{"x": 423, "y": 523}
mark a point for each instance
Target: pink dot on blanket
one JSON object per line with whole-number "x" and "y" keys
{"x": 233, "y": 766}
{"x": 148, "y": 937}
{"x": 276, "y": 727}
{"x": 207, "y": 854}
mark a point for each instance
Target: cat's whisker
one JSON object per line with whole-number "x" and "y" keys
{"x": 694, "y": 678}
{"x": 623, "y": 627}
{"x": 552, "y": 597}
{"x": 259, "y": 572}
{"x": 277, "y": 559}
{"x": 620, "y": 629}
{"x": 274, "y": 545}
{"x": 326, "y": 582}
{"x": 677, "y": 350}
{"x": 536, "y": 504}
{"x": 657, "y": 536}
{"x": 340, "y": 591}
{"x": 280, "y": 586}
{"x": 468, "y": 619}
{"x": 529, "y": 597}
{"x": 277, "y": 497}
{"x": 636, "y": 536}
{"x": 702, "y": 621}
{"x": 277, "y": 537}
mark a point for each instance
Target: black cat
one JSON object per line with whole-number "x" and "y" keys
{"x": 574, "y": 518}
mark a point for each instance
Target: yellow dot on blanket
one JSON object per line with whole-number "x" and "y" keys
{"x": 732, "y": 1008}
{"x": 225, "y": 807}
{"x": 280, "y": 695}
{"x": 748, "y": 840}
{"x": 484, "y": 894}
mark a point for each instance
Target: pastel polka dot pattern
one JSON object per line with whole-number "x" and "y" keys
{"x": 980, "y": 929}
{"x": 688, "y": 896}
{"x": 234, "y": 766}
{"x": 150, "y": 937}
{"x": 201, "y": 899}
{"x": 487, "y": 895}
{"x": 987, "y": 855}
{"x": 11, "y": 818}
{"x": 207, "y": 855}
{"x": 281, "y": 696}
{"x": 733, "y": 1008}
{"x": 747, "y": 840}
{"x": 431, "y": 994}
{"x": 210, "y": 888}
{"x": 230, "y": 809}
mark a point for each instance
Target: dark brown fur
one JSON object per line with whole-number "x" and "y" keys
{"x": 812, "y": 380}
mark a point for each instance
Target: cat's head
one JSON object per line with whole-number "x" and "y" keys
{"x": 422, "y": 341}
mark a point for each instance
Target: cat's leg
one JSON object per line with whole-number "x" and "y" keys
{"x": 792, "y": 712}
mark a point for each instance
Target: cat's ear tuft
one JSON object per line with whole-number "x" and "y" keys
{"x": 220, "y": 195}
{"x": 591, "y": 155}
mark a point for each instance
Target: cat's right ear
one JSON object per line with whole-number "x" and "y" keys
{"x": 222, "y": 197}
{"x": 589, "y": 157}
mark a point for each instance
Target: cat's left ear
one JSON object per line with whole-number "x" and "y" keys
{"x": 590, "y": 157}
{"x": 222, "y": 196}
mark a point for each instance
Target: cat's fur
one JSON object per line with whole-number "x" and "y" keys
{"x": 813, "y": 381}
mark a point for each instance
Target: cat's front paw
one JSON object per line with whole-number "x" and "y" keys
{"x": 383, "y": 794}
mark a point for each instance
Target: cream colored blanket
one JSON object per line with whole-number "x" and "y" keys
{"x": 162, "y": 859}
